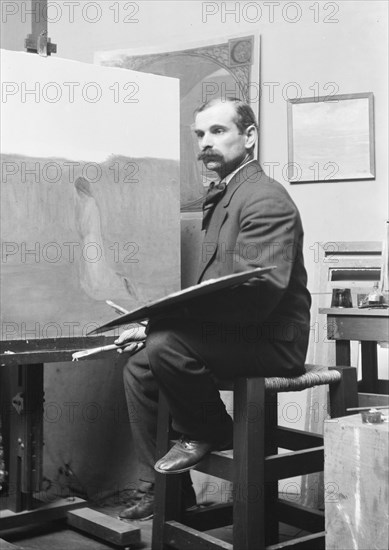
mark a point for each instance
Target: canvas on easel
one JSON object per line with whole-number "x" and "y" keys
{"x": 89, "y": 193}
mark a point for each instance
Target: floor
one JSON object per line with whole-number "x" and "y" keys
{"x": 56, "y": 536}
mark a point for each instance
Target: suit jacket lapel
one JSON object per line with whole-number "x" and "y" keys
{"x": 220, "y": 214}
{"x": 247, "y": 172}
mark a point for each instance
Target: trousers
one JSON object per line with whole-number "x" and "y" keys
{"x": 182, "y": 358}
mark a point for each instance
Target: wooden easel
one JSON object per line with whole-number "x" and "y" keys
{"x": 38, "y": 41}
{"x": 22, "y": 394}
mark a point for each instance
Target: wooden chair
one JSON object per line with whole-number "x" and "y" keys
{"x": 254, "y": 469}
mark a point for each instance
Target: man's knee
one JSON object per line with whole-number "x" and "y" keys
{"x": 163, "y": 342}
{"x": 136, "y": 368}
{"x": 158, "y": 340}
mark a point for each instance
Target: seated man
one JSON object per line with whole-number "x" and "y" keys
{"x": 257, "y": 329}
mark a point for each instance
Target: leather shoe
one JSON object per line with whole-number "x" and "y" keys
{"x": 186, "y": 454}
{"x": 142, "y": 508}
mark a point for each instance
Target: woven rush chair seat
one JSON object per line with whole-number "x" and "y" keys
{"x": 315, "y": 375}
{"x": 254, "y": 468}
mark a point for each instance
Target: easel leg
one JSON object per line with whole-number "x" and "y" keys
{"x": 26, "y": 435}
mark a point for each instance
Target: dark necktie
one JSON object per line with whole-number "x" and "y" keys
{"x": 215, "y": 193}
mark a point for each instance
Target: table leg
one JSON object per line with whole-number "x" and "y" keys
{"x": 369, "y": 382}
{"x": 342, "y": 353}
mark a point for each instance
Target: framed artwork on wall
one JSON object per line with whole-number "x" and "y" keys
{"x": 331, "y": 138}
{"x": 213, "y": 67}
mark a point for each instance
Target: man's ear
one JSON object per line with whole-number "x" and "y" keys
{"x": 251, "y": 136}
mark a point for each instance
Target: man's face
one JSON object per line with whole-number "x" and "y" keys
{"x": 222, "y": 146}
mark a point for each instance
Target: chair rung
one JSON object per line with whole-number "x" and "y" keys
{"x": 180, "y": 536}
{"x": 291, "y": 513}
{"x": 293, "y": 464}
{"x": 309, "y": 542}
{"x": 210, "y": 517}
{"x": 280, "y": 466}
{"x": 295, "y": 440}
{"x": 217, "y": 464}
{"x": 300, "y": 516}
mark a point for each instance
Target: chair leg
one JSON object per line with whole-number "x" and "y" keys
{"x": 271, "y": 488}
{"x": 167, "y": 487}
{"x": 344, "y": 394}
{"x": 249, "y": 455}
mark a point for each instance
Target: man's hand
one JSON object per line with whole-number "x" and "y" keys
{"x": 135, "y": 337}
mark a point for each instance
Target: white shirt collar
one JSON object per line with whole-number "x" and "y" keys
{"x": 229, "y": 177}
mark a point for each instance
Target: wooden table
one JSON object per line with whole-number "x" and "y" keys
{"x": 369, "y": 326}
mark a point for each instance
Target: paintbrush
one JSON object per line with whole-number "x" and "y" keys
{"x": 88, "y": 352}
{"x": 118, "y": 309}
{"x": 372, "y": 408}
{"x": 92, "y": 351}
{"x": 122, "y": 311}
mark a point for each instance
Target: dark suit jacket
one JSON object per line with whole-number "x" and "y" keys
{"x": 256, "y": 224}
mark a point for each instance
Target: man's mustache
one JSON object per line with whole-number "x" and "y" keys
{"x": 215, "y": 155}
